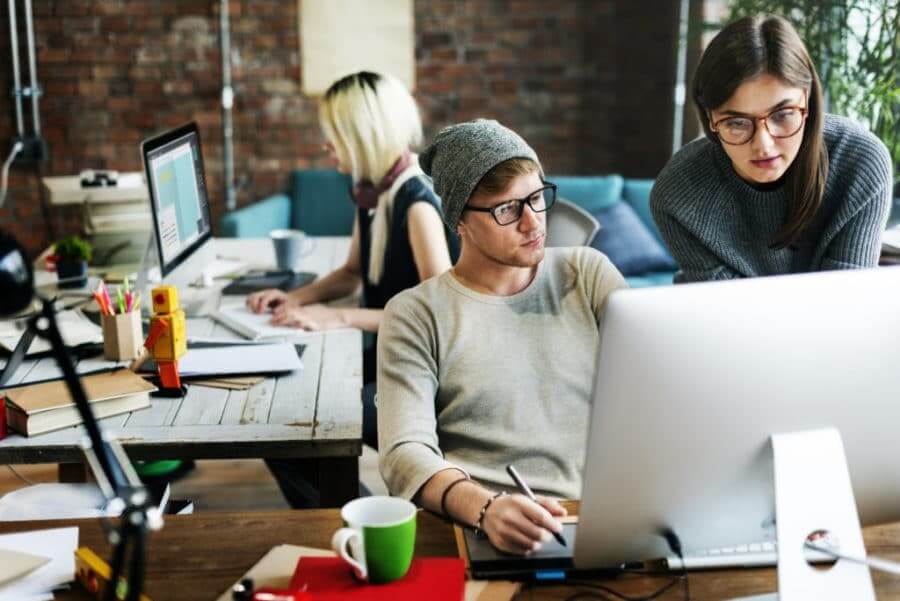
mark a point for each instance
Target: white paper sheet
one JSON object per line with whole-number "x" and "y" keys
{"x": 54, "y": 501}
{"x": 59, "y": 544}
{"x": 249, "y": 359}
{"x": 74, "y": 327}
{"x": 222, "y": 266}
{"x": 15, "y": 564}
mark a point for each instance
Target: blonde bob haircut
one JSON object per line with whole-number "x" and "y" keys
{"x": 371, "y": 120}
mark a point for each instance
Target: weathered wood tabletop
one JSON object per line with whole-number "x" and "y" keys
{"x": 313, "y": 413}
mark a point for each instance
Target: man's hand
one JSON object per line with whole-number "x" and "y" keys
{"x": 515, "y": 524}
{"x": 270, "y": 298}
{"x": 311, "y": 317}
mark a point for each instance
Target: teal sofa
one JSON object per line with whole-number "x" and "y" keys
{"x": 596, "y": 194}
{"x": 318, "y": 202}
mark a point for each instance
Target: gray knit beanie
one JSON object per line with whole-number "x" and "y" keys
{"x": 462, "y": 154}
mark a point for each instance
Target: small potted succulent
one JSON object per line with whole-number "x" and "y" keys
{"x": 72, "y": 256}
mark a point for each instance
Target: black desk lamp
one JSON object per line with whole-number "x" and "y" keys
{"x": 115, "y": 476}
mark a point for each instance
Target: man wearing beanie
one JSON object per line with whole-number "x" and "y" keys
{"x": 492, "y": 362}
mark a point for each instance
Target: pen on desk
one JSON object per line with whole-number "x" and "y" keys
{"x": 523, "y": 488}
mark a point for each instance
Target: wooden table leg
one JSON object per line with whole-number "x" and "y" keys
{"x": 72, "y": 472}
{"x": 338, "y": 480}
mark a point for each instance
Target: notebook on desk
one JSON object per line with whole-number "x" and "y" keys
{"x": 48, "y": 406}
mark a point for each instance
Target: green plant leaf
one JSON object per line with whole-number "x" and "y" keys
{"x": 73, "y": 248}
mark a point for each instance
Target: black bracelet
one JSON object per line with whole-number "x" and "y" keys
{"x": 479, "y": 525}
{"x": 447, "y": 491}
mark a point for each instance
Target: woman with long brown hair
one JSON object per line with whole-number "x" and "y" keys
{"x": 777, "y": 186}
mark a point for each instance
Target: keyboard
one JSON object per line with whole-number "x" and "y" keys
{"x": 754, "y": 555}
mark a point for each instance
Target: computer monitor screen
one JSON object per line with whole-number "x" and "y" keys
{"x": 175, "y": 178}
{"x": 693, "y": 380}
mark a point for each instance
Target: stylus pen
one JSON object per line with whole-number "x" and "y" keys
{"x": 523, "y": 488}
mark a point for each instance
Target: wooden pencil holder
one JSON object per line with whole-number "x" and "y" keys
{"x": 123, "y": 337}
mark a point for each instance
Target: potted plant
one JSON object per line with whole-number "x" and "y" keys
{"x": 72, "y": 256}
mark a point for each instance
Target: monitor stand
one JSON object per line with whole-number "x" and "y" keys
{"x": 193, "y": 297}
{"x": 813, "y": 493}
{"x": 147, "y": 273}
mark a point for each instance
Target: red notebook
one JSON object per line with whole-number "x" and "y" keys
{"x": 330, "y": 578}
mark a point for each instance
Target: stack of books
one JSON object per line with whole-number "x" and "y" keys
{"x": 38, "y": 408}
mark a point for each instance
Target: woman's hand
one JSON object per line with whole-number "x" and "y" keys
{"x": 311, "y": 317}
{"x": 516, "y": 524}
{"x": 270, "y": 298}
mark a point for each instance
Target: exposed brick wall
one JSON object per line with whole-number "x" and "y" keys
{"x": 586, "y": 82}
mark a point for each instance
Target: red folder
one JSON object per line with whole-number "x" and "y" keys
{"x": 330, "y": 578}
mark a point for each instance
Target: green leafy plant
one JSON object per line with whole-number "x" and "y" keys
{"x": 74, "y": 249}
{"x": 855, "y": 45}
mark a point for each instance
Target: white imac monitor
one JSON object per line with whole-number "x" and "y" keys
{"x": 691, "y": 382}
{"x": 178, "y": 196}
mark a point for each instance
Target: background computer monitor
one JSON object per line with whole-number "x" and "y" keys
{"x": 178, "y": 197}
{"x": 691, "y": 382}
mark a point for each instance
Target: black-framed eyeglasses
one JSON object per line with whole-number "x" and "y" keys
{"x": 510, "y": 211}
{"x": 783, "y": 122}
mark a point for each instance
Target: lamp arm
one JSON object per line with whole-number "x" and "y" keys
{"x": 108, "y": 461}
{"x": 44, "y": 323}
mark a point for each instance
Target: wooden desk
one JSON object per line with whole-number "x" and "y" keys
{"x": 315, "y": 413}
{"x": 197, "y": 557}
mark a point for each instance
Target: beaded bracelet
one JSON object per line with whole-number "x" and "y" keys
{"x": 447, "y": 491}
{"x": 479, "y": 525}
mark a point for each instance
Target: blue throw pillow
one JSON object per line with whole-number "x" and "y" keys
{"x": 628, "y": 243}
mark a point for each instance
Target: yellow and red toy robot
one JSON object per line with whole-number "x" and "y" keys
{"x": 167, "y": 341}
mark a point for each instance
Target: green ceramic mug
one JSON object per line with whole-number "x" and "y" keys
{"x": 378, "y": 539}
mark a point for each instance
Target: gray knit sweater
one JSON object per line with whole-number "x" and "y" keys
{"x": 719, "y": 227}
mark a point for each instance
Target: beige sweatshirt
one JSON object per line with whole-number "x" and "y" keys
{"x": 478, "y": 382}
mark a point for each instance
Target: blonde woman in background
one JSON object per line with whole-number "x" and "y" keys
{"x": 371, "y": 124}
